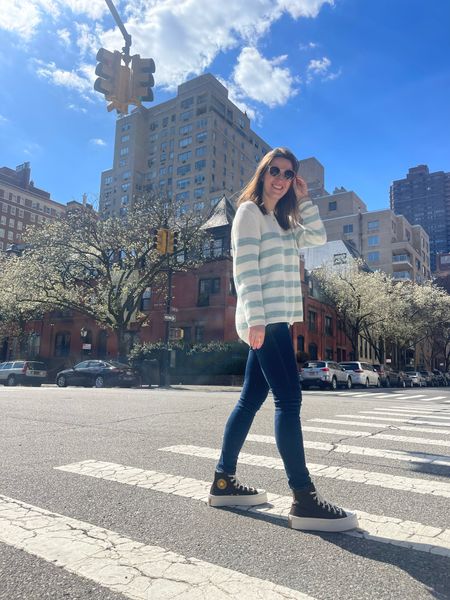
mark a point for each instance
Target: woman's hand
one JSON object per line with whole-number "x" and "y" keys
{"x": 300, "y": 188}
{"x": 256, "y": 336}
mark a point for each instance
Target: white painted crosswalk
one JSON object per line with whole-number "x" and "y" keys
{"x": 391, "y": 437}
{"x": 136, "y": 570}
{"x": 393, "y": 482}
{"x": 389, "y": 530}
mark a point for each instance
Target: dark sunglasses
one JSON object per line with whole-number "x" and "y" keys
{"x": 276, "y": 171}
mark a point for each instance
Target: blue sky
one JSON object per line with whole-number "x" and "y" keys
{"x": 362, "y": 86}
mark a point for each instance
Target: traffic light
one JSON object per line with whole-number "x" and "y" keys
{"x": 114, "y": 80}
{"x": 161, "y": 241}
{"x": 172, "y": 241}
{"x": 108, "y": 70}
{"x": 142, "y": 79}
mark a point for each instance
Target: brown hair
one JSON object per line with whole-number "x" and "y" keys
{"x": 286, "y": 210}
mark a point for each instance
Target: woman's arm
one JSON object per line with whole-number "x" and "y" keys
{"x": 311, "y": 232}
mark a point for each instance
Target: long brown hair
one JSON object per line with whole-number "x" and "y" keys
{"x": 286, "y": 210}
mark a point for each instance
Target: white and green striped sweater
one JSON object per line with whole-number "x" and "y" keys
{"x": 266, "y": 265}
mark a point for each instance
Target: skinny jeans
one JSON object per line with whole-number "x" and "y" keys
{"x": 273, "y": 366}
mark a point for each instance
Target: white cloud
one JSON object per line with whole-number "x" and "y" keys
{"x": 64, "y": 36}
{"x": 3, "y": 119}
{"x": 77, "y": 108}
{"x": 88, "y": 41}
{"x": 321, "y": 68}
{"x": 303, "y": 8}
{"x": 97, "y": 142}
{"x": 262, "y": 79}
{"x": 69, "y": 79}
{"x": 183, "y": 36}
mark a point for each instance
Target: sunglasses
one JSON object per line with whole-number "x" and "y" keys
{"x": 276, "y": 172}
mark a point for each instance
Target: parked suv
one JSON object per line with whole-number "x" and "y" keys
{"x": 28, "y": 372}
{"x": 416, "y": 378}
{"x": 362, "y": 373}
{"x": 324, "y": 374}
{"x": 439, "y": 377}
{"x": 391, "y": 378}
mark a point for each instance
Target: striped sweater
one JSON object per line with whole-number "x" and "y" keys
{"x": 266, "y": 265}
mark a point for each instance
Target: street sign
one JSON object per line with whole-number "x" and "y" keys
{"x": 169, "y": 318}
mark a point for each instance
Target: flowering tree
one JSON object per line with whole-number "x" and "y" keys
{"x": 101, "y": 268}
{"x": 374, "y": 306}
{"x": 360, "y": 299}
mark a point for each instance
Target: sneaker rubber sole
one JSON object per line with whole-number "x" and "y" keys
{"x": 250, "y": 500}
{"x": 331, "y": 525}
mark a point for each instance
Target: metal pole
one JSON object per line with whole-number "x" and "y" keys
{"x": 165, "y": 366}
{"x": 126, "y": 35}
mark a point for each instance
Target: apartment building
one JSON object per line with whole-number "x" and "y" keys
{"x": 22, "y": 204}
{"x": 386, "y": 241}
{"x": 424, "y": 199}
{"x": 194, "y": 148}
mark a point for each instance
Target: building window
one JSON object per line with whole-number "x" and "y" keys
{"x": 206, "y": 287}
{"x": 312, "y": 351}
{"x": 300, "y": 343}
{"x": 146, "y": 303}
{"x": 184, "y": 156}
{"x": 329, "y": 353}
{"x": 312, "y": 320}
{"x": 332, "y": 205}
{"x": 183, "y": 183}
{"x": 373, "y": 257}
{"x": 348, "y": 228}
{"x": 328, "y": 326}
{"x": 199, "y": 192}
{"x": 373, "y": 225}
{"x": 124, "y": 151}
{"x": 185, "y": 129}
{"x": 185, "y": 142}
{"x": 200, "y": 151}
{"x": 373, "y": 240}
{"x": 62, "y": 344}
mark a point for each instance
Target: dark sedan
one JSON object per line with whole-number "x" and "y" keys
{"x": 98, "y": 373}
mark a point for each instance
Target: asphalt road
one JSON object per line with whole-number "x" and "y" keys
{"x": 102, "y": 497}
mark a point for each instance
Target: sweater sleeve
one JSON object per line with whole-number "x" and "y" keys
{"x": 246, "y": 244}
{"x": 312, "y": 231}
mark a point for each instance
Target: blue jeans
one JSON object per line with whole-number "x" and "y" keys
{"x": 273, "y": 367}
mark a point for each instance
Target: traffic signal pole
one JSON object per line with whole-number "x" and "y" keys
{"x": 164, "y": 376}
{"x": 121, "y": 26}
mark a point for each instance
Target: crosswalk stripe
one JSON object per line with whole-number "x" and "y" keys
{"x": 380, "y": 411}
{"x": 131, "y": 568}
{"x": 376, "y": 425}
{"x": 383, "y": 480}
{"x": 381, "y": 436}
{"x": 413, "y": 457}
{"x": 393, "y": 420}
{"x": 390, "y": 530}
{"x": 424, "y": 409}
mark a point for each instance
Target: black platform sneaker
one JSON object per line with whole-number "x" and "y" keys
{"x": 228, "y": 491}
{"x": 310, "y": 512}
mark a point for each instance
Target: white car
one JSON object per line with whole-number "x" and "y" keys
{"x": 362, "y": 373}
{"x": 324, "y": 374}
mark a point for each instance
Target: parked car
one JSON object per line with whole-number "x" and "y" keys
{"x": 324, "y": 374}
{"x": 429, "y": 377}
{"x": 391, "y": 378}
{"x": 98, "y": 373}
{"x": 362, "y": 373}
{"x": 416, "y": 378}
{"x": 27, "y": 372}
{"x": 405, "y": 381}
{"x": 439, "y": 378}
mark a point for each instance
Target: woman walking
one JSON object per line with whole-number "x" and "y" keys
{"x": 274, "y": 219}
